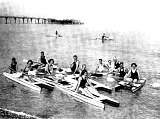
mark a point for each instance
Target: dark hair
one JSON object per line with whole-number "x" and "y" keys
{"x": 121, "y": 63}
{"x": 13, "y": 59}
{"x": 30, "y": 61}
{"x": 42, "y": 51}
{"x": 133, "y": 64}
{"x": 83, "y": 72}
{"x": 84, "y": 65}
{"x": 75, "y": 56}
{"x": 100, "y": 59}
{"x": 50, "y": 60}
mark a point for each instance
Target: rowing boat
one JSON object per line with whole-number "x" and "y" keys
{"x": 32, "y": 83}
{"x": 133, "y": 87}
{"x": 107, "y": 38}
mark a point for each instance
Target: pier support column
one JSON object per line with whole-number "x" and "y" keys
{"x": 27, "y": 20}
{"x": 38, "y": 20}
{"x": 23, "y": 20}
{"x": 44, "y": 21}
{"x": 15, "y": 20}
{"x": 10, "y": 20}
{"x": 6, "y": 19}
{"x": 19, "y": 20}
{"x": 31, "y": 20}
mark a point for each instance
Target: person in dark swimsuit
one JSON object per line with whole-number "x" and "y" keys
{"x": 83, "y": 83}
{"x": 83, "y": 70}
{"x": 13, "y": 67}
{"x": 75, "y": 65}
{"x": 40, "y": 66}
{"x": 121, "y": 71}
{"x": 43, "y": 59}
{"x": 56, "y": 33}
{"x": 103, "y": 37}
{"x": 116, "y": 63}
{"x": 133, "y": 75}
{"x": 49, "y": 67}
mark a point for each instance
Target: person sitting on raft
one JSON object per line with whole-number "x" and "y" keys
{"x": 28, "y": 70}
{"x": 104, "y": 37}
{"x": 75, "y": 65}
{"x": 133, "y": 74}
{"x": 28, "y": 67}
{"x": 110, "y": 66}
{"x": 83, "y": 70}
{"x": 101, "y": 67}
{"x": 41, "y": 62}
{"x": 116, "y": 63}
{"x": 121, "y": 71}
{"x": 13, "y": 67}
{"x": 83, "y": 83}
{"x": 49, "y": 68}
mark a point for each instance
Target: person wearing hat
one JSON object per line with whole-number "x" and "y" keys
{"x": 133, "y": 75}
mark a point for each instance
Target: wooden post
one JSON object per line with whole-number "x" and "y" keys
{"x": 38, "y": 20}
{"x": 31, "y": 20}
{"x": 42, "y": 21}
{"x": 23, "y": 19}
{"x": 6, "y": 18}
{"x": 10, "y": 20}
{"x": 15, "y": 20}
{"x": 27, "y": 20}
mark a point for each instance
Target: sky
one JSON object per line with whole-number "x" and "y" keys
{"x": 123, "y": 15}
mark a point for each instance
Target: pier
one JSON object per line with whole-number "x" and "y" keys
{"x": 35, "y": 20}
{"x": 23, "y": 20}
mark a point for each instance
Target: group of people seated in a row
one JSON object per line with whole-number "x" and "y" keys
{"x": 115, "y": 67}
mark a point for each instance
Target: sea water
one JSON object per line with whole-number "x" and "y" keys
{"x": 26, "y": 41}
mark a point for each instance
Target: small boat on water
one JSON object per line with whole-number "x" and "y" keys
{"x": 32, "y": 83}
{"x": 133, "y": 87}
{"x": 54, "y": 36}
{"x": 67, "y": 85}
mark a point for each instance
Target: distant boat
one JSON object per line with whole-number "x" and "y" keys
{"x": 105, "y": 37}
{"x": 54, "y": 35}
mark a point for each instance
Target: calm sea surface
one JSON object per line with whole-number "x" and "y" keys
{"x": 26, "y": 42}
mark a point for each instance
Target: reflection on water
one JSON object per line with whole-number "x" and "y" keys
{"x": 26, "y": 42}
